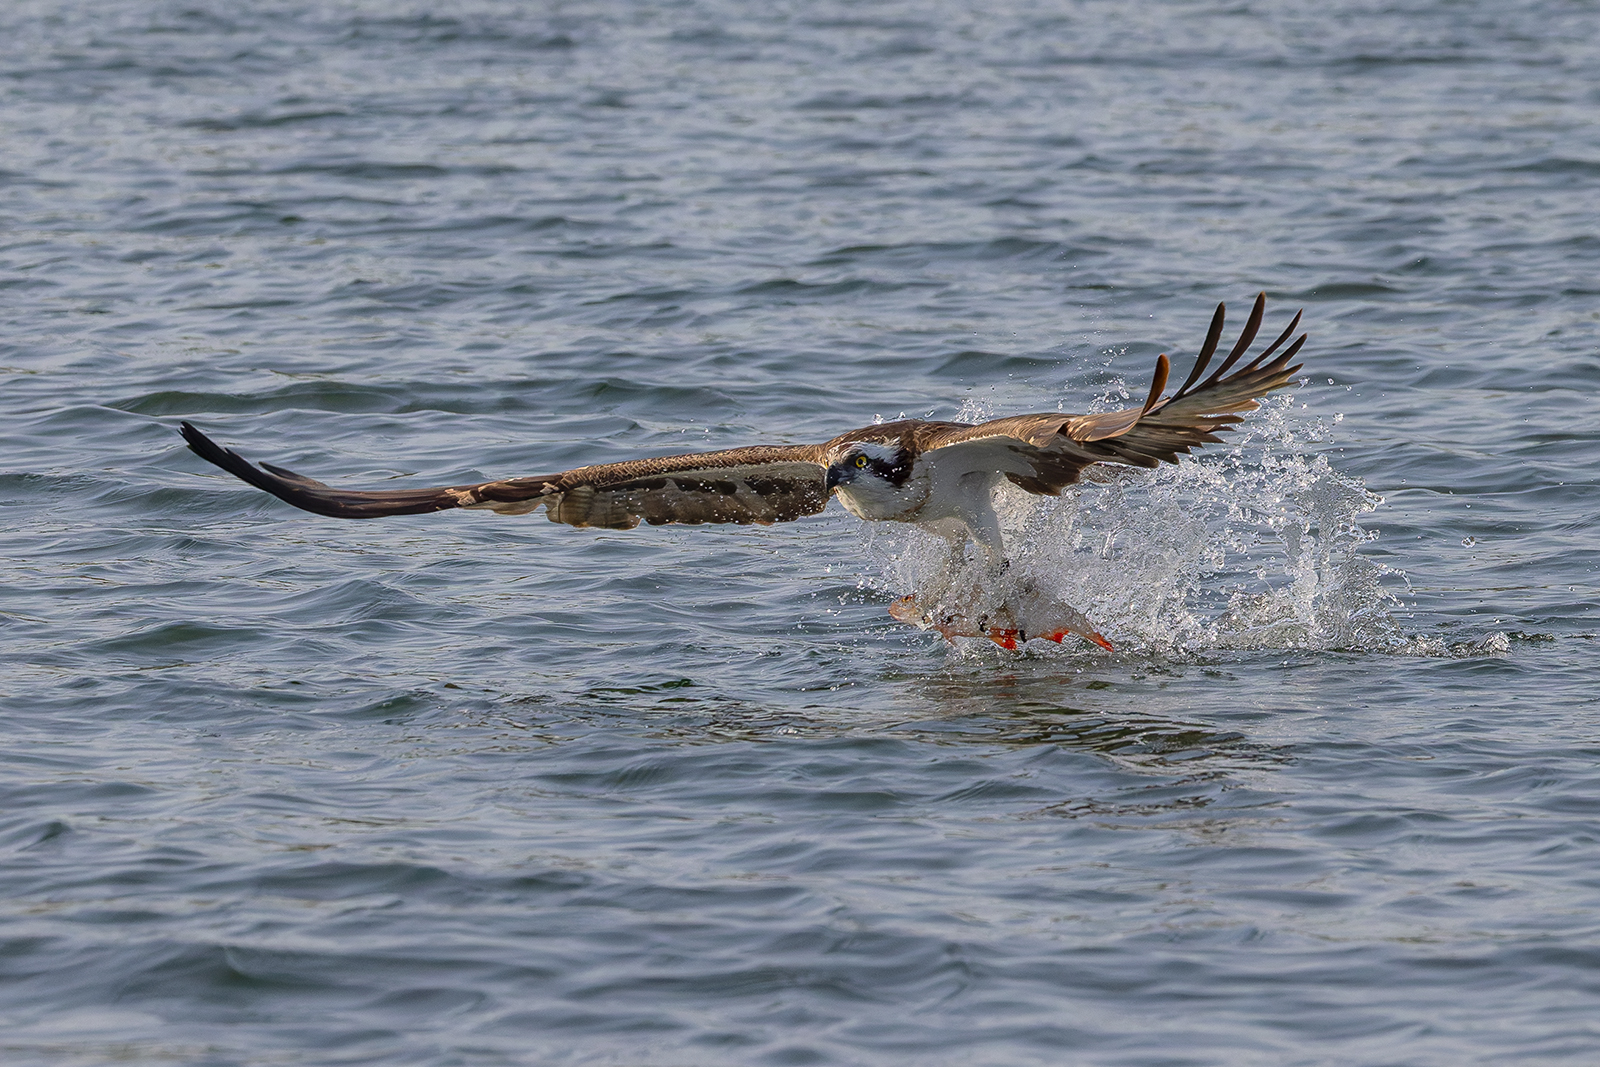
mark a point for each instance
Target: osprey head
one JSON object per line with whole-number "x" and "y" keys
{"x": 860, "y": 460}
{"x": 871, "y": 478}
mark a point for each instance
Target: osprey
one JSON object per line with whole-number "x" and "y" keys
{"x": 940, "y": 476}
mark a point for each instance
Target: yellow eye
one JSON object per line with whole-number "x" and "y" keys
{"x": 861, "y": 461}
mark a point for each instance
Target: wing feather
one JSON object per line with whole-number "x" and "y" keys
{"x": 763, "y": 484}
{"x": 1059, "y": 447}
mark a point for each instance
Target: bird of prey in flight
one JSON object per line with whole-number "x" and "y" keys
{"x": 941, "y": 476}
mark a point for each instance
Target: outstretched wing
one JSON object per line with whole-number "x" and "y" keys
{"x": 1049, "y": 452}
{"x": 741, "y": 485}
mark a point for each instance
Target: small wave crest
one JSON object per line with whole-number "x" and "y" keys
{"x": 1252, "y": 546}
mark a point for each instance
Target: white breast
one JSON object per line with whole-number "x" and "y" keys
{"x": 959, "y": 500}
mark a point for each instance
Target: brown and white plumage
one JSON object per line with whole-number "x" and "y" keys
{"x": 937, "y": 474}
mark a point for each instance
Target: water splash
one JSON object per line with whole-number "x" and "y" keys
{"x": 1253, "y": 546}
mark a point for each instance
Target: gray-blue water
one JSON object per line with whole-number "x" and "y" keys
{"x": 460, "y": 789}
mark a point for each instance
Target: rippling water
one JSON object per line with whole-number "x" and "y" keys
{"x": 467, "y": 790}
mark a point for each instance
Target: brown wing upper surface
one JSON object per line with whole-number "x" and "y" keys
{"x": 764, "y": 484}
{"x": 1056, "y": 448}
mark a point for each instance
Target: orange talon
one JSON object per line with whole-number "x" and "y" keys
{"x": 949, "y": 625}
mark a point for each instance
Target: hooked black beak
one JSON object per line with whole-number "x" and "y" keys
{"x": 832, "y": 478}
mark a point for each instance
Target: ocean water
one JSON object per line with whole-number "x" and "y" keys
{"x": 469, "y": 790}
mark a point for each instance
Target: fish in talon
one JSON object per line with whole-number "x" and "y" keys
{"x": 908, "y": 610}
{"x": 1004, "y": 625}
{"x": 1053, "y": 619}
{"x": 1096, "y": 638}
